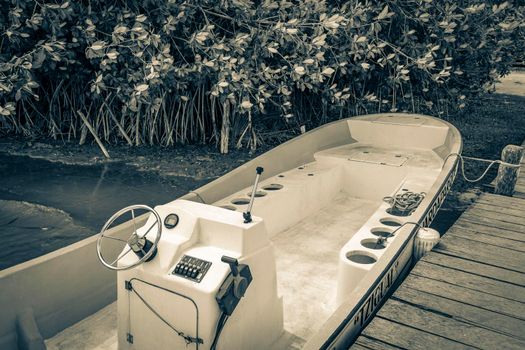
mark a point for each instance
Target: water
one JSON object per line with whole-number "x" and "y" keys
{"x": 45, "y": 205}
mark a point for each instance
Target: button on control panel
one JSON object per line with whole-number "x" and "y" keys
{"x": 191, "y": 268}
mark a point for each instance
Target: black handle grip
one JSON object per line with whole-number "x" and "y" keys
{"x": 229, "y": 260}
{"x": 232, "y": 262}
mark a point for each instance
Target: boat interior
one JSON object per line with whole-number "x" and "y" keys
{"x": 318, "y": 229}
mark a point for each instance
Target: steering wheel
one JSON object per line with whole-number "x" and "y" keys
{"x": 139, "y": 244}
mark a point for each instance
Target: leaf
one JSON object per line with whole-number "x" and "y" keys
{"x": 328, "y": 71}
{"x": 299, "y": 70}
{"x": 141, "y": 87}
{"x": 361, "y": 39}
{"x": 98, "y": 45}
{"x": 223, "y": 84}
{"x": 120, "y": 29}
{"x": 319, "y": 40}
{"x": 4, "y": 111}
{"x": 365, "y": 66}
{"x": 331, "y": 24}
{"x": 383, "y": 14}
{"x": 209, "y": 63}
{"x": 141, "y": 18}
{"x": 272, "y": 50}
{"x": 246, "y": 104}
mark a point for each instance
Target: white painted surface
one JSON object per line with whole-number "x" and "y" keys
{"x": 324, "y": 211}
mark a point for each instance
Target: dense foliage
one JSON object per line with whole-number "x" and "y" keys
{"x": 238, "y": 71}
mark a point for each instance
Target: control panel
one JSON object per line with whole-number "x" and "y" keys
{"x": 191, "y": 268}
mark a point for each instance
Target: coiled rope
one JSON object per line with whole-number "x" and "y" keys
{"x": 492, "y": 162}
{"x": 404, "y": 203}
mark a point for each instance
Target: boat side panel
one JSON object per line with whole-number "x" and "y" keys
{"x": 61, "y": 288}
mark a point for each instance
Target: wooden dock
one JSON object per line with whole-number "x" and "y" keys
{"x": 469, "y": 292}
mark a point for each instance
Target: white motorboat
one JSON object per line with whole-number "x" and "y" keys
{"x": 294, "y": 249}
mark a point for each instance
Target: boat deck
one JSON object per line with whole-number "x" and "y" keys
{"x": 302, "y": 252}
{"x": 469, "y": 292}
{"x": 307, "y": 257}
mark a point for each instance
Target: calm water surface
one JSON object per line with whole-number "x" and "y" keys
{"x": 45, "y": 206}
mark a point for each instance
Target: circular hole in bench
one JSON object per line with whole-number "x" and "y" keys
{"x": 371, "y": 243}
{"x": 273, "y": 187}
{"x": 280, "y": 175}
{"x": 360, "y": 257}
{"x": 301, "y": 168}
{"x": 229, "y": 207}
{"x": 257, "y": 194}
{"x": 240, "y": 201}
{"x": 389, "y": 222}
{"x": 381, "y": 232}
{"x": 310, "y": 174}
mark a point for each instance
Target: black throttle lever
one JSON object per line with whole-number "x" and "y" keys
{"x": 234, "y": 286}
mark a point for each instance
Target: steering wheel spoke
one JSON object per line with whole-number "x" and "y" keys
{"x": 115, "y": 239}
{"x": 138, "y": 241}
{"x": 120, "y": 257}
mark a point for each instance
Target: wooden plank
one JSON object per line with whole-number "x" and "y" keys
{"x": 491, "y": 214}
{"x": 493, "y": 224}
{"x": 476, "y": 268}
{"x": 501, "y": 201}
{"x": 463, "y": 312}
{"x": 407, "y": 337}
{"x": 487, "y": 239}
{"x": 447, "y": 327}
{"x": 466, "y": 296}
{"x": 501, "y": 257}
{"x": 512, "y": 211}
{"x": 520, "y": 194}
{"x": 473, "y": 226}
{"x": 470, "y": 281}
{"x": 371, "y": 343}
{"x": 493, "y": 220}
{"x": 357, "y": 346}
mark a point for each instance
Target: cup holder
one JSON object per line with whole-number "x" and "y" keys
{"x": 229, "y": 207}
{"x": 389, "y": 222}
{"x": 280, "y": 175}
{"x": 258, "y": 194}
{"x": 240, "y": 201}
{"x": 381, "y": 232}
{"x": 273, "y": 187}
{"x": 372, "y": 243}
{"x": 360, "y": 257}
